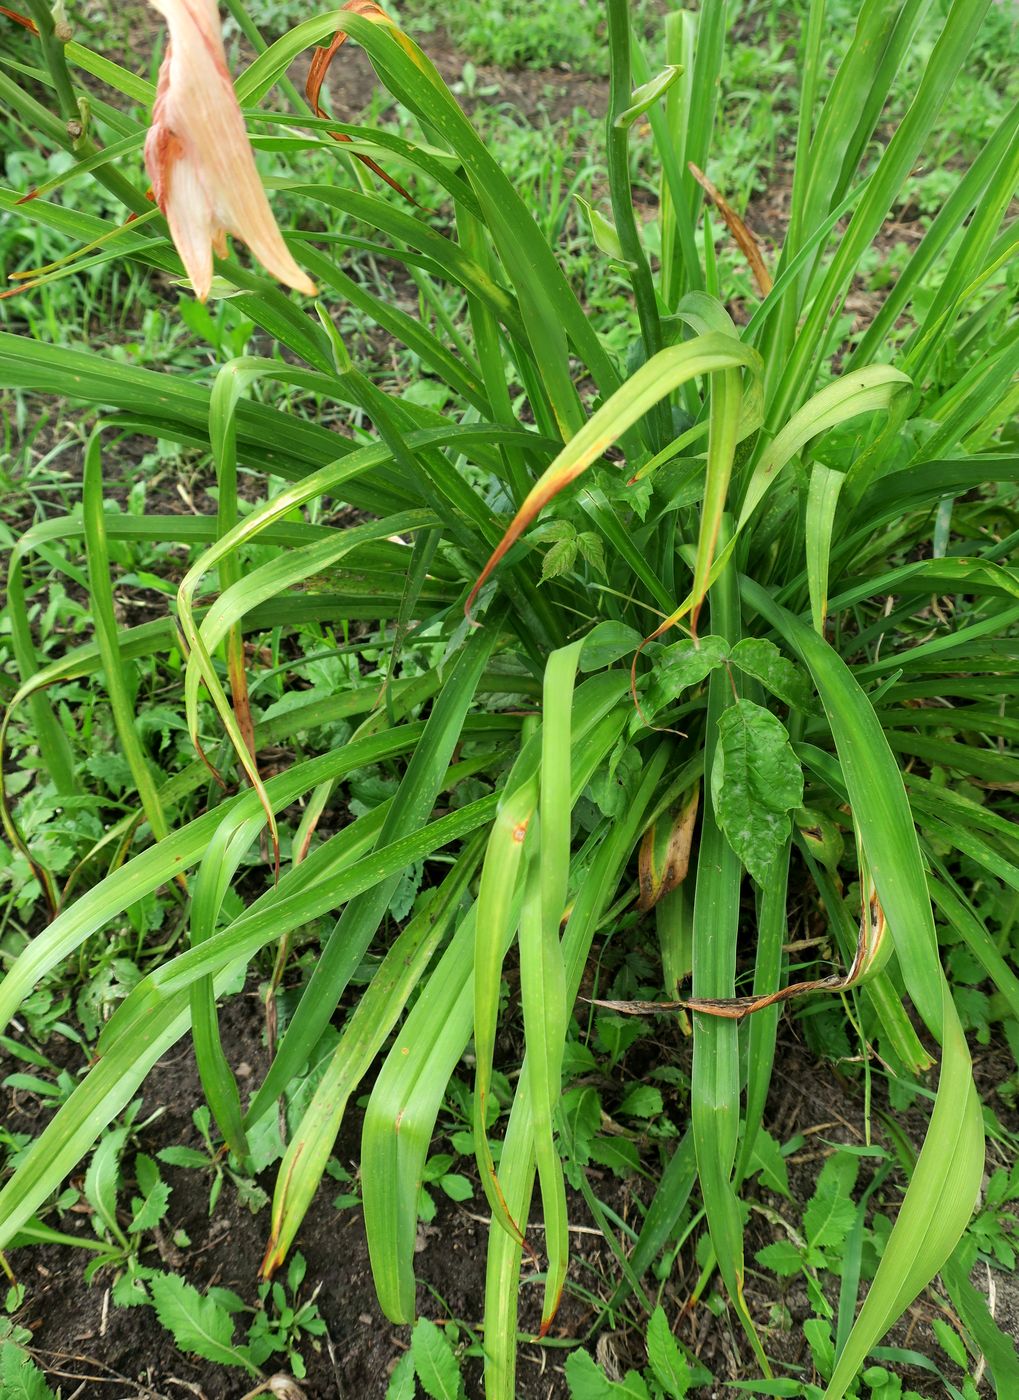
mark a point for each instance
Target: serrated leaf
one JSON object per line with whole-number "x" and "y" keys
{"x": 559, "y": 559}
{"x": 762, "y": 659}
{"x": 110, "y": 768}
{"x": 401, "y": 1382}
{"x": 615, "y": 1034}
{"x": 129, "y": 1292}
{"x": 828, "y": 1219}
{"x": 199, "y": 1325}
{"x": 434, "y": 1362}
{"x": 592, "y": 547}
{"x": 644, "y": 1101}
{"x": 582, "y": 1112}
{"x": 768, "y": 1160}
{"x": 631, "y": 1387}
{"x": 176, "y": 1156}
{"x": 250, "y": 1194}
{"x": 103, "y": 1178}
{"x": 951, "y": 1343}
{"x": 667, "y": 1361}
{"x": 585, "y": 1379}
{"x": 149, "y": 1208}
{"x": 620, "y": 1155}
{"x": 838, "y": 1175}
{"x": 818, "y": 1334}
{"x": 227, "y": 1299}
{"x": 782, "y": 1258}
{"x": 20, "y": 1377}
{"x": 756, "y": 781}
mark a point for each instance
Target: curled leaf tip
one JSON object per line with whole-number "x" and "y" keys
{"x": 320, "y": 63}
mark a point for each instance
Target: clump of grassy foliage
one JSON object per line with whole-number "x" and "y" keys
{"x": 707, "y": 668}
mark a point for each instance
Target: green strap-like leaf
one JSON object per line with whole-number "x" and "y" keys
{"x": 943, "y": 1191}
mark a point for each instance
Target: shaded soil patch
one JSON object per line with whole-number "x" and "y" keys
{"x": 95, "y": 1349}
{"x": 80, "y": 1338}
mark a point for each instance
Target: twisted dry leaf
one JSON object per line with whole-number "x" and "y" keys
{"x": 744, "y": 238}
{"x": 320, "y": 63}
{"x": 873, "y": 930}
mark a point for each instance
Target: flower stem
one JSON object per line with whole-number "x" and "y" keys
{"x": 617, "y": 139}
{"x": 54, "y": 59}
{"x": 67, "y": 130}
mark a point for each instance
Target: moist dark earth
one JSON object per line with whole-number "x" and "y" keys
{"x": 94, "y": 1350}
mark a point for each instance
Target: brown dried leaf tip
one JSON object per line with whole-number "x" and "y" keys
{"x": 320, "y": 63}
{"x": 744, "y": 238}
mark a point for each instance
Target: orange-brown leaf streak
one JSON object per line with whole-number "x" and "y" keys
{"x": 320, "y": 63}
{"x": 745, "y": 240}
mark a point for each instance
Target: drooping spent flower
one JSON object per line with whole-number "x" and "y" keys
{"x": 199, "y": 158}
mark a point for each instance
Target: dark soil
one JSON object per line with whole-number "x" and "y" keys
{"x": 88, "y": 1345}
{"x": 94, "y": 1349}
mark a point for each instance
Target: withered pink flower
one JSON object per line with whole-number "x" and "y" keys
{"x": 199, "y": 157}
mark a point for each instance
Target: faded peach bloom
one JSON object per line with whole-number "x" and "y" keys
{"x": 199, "y": 157}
